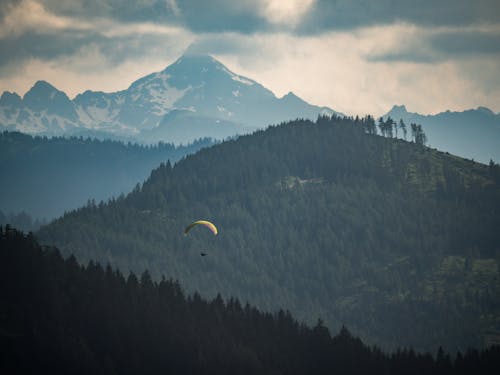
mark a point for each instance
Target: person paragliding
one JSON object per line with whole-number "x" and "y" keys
{"x": 205, "y": 223}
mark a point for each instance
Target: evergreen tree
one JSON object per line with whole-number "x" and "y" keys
{"x": 402, "y": 126}
{"x": 389, "y": 125}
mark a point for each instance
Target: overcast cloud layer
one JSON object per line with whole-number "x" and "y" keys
{"x": 356, "y": 57}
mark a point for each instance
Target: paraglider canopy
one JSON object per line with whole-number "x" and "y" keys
{"x": 205, "y": 223}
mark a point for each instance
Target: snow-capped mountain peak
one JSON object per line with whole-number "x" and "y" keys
{"x": 10, "y": 99}
{"x": 197, "y": 88}
{"x": 43, "y": 97}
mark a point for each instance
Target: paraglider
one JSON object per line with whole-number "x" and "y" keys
{"x": 205, "y": 223}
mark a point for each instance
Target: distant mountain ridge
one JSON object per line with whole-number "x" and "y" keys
{"x": 473, "y": 134}
{"x": 212, "y": 101}
{"x": 45, "y": 177}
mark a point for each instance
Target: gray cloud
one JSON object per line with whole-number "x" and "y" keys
{"x": 245, "y": 16}
{"x": 123, "y": 10}
{"x": 331, "y": 41}
{"x": 76, "y": 24}
{"x": 5, "y": 5}
{"x": 462, "y": 43}
{"x": 53, "y": 46}
{"x": 345, "y": 14}
{"x": 199, "y": 16}
{"x": 221, "y": 15}
{"x": 407, "y": 55}
{"x": 221, "y": 44}
{"x": 438, "y": 46}
{"x": 42, "y": 46}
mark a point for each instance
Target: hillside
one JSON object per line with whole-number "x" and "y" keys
{"x": 59, "y": 317}
{"x": 398, "y": 241}
{"x": 46, "y": 177}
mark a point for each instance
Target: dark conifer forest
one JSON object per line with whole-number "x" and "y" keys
{"x": 327, "y": 219}
{"x": 59, "y": 317}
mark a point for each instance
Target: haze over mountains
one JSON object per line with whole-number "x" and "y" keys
{"x": 194, "y": 97}
{"x": 45, "y": 177}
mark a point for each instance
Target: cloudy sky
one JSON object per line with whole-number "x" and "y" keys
{"x": 355, "y": 56}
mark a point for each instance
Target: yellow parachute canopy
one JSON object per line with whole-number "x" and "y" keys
{"x": 208, "y": 224}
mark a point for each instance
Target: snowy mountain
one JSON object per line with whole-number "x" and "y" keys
{"x": 473, "y": 134}
{"x": 195, "y": 97}
{"x": 43, "y": 109}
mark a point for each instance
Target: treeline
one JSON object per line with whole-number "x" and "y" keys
{"x": 21, "y": 220}
{"x": 25, "y": 142}
{"x": 45, "y": 177}
{"x": 57, "y": 316}
{"x": 389, "y": 128}
{"x": 398, "y": 241}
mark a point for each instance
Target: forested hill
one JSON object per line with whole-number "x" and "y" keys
{"x": 61, "y": 318}
{"x": 46, "y": 176}
{"x": 398, "y": 241}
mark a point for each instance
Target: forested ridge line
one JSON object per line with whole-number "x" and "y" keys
{"x": 326, "y": 219}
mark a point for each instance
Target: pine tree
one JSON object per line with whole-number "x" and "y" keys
{"x": 402, "y": 126}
